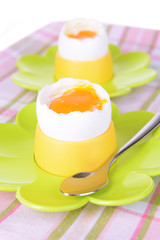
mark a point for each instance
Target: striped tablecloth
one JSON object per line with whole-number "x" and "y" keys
{"x": 140, "y": 220}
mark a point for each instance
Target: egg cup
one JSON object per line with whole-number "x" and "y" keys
{"x": 130, "y": 176}
{"x": 65, "y": 158}
{"x": 130, "y": 71}
{"x": 98, "y": 71}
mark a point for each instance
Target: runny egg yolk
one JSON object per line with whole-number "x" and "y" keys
{"x": 83, "y": 34}
{"x": 81, "y": 98}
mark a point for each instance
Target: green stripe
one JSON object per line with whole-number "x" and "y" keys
{"x": 124, "y": 36}
{"x": 147, "y": 199}
{"x": 101, "y": 223}
{"x": 8, "y": 209}
{"x": 11, "y": 120}
{"x": 109, "y": 28}
{"x": 151, "y": 99}
{"x": 8, "y": 73}
{"x": 149, "y": 219}
{"x": 65, "y": 224}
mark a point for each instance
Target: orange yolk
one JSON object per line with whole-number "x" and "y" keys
{"x": 83, "y": 98}
{"x": 83, "y": 34}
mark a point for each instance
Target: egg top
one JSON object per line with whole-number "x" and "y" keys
{"x": 83, "y": 40}
{"x": 83, "y": 35}
{"x": 80, "y": 98}
{"x": 73, "y": 110}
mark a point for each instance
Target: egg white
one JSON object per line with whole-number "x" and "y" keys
{"x": 74, "y": 126}
{"x": 83, "y": 49}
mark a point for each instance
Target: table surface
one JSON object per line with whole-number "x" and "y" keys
{"x": 140, "y": 220}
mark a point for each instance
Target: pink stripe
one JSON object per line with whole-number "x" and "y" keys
{"x": 156, "y": 219}
{"x": 55, "y": 226}
{"x": 10, "y": 213}
{"x": 10, "y": 113}
{"x": 131, "y": 212}
{"x": 155, "y": 57}
{"x": 135, "y": 234}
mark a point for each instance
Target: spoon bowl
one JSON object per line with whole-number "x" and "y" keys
{"x": 85, "y": 183}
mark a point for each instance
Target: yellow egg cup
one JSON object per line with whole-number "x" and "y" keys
{"x": 65, "y": 158}
{"x": 98, "y": 71}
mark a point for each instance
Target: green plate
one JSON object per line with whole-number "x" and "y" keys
{"x": 130, "y": 176}
{"x": 130, "y": 71}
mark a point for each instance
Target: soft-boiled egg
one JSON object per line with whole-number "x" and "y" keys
{"x": 73, "y": 110}
{"x": 83, "y": 52}
{"x": 83, "y": 40}
{"x": 75, "y": 131}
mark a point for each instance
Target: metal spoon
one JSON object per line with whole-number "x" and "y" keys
{"x": 85, "y": 183}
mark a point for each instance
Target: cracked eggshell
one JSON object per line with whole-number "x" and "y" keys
{"x": 74, "y": 126}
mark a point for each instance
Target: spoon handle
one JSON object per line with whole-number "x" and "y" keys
{"x": 149, "y": 127}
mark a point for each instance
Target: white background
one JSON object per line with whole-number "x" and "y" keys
{"x": 18, "y": 18}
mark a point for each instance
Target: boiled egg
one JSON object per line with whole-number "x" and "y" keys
{"x": 73, "y": 110}
{"x": 83, "y": 52}
{"x": 83, "y": 40}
